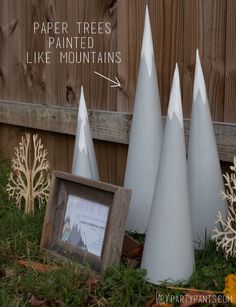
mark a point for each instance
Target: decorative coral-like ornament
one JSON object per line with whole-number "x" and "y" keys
{"x": 29, "y": 180}
{"x": 225, "y": 237}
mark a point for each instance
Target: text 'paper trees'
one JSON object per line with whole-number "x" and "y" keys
{"x": 29, "y": 181}
{"x": 225, "y": 234}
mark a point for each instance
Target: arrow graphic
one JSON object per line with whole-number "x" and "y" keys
{"x": 116, "y": 83}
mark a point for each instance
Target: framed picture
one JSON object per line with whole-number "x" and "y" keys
{"x": 85, "y": 220}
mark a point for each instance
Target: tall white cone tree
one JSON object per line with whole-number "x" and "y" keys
{"x": 146, "y": 137}
{"x": 204, "y": 172}
{"x": 168, "y": 250}
{"x": 84, "y": 159}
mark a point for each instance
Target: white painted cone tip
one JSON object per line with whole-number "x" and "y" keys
{"x": 84, "y": 159}
{"x": 82, "y": 114}
{"x": 82, "y": 91}
{"x": 197, "y": 53}
{"x": 199, "y": 81}
{"x": 147, "y": 44}
{"x": 175, "y": 103}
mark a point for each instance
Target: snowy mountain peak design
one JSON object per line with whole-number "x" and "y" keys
{"x": 75, "y": 237}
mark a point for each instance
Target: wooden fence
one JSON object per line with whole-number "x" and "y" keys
{"x": 52, "y": 91}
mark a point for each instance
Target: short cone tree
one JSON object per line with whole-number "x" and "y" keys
{"x": 225, "y": 233}
{"x": 29, "y": 180}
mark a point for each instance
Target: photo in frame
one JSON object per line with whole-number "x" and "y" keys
{"x": 85, "y": 220}
{"x": 85, "y": 224}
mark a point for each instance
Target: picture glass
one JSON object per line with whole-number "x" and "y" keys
{"x": 85, "y": 224}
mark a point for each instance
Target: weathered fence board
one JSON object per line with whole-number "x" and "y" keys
{"x": 35, "y": 72}
{"x": 178, "y": 27}
{"x": 4, "y": 49}
{"x": 230, "y": 63}
{"x": 214, "y": 50}
{"x": 106, "y": 125}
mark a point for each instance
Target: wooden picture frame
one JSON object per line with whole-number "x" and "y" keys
{"x": 85, "y": 220}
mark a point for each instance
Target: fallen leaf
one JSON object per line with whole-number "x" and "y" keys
{"x": 39, "y": 267}
{"x": 34, "y": 302}
{"x": 230, "y": 288}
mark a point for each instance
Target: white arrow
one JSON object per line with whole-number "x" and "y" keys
{"x": 116, "y": 83}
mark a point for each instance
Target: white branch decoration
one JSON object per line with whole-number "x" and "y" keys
{"x": 225, "y": 237}
{"x": 29, "y": 180}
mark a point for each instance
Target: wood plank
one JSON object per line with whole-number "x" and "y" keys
{"x": 16, "y": 41}
{"x": 35, "y": 42}
{"x": 169, "y": 44}
{"x": 105, "y": 125}
{"x": 130, "y": 15}
{"x": 230, "y": 72}
{"x": 73, "y": 72}
{"x": 214, "y": 25}
{"x": 122, "y": 152}
{"x": 193, "y": 39}
{"x": 98, "y": 93}
{"x": 4, "y": 63}
{"x": 106, "y": 158}
{"x": 55, "y": 73}
{"x": 11, "y": 25}
{"x": 10, "y": 138}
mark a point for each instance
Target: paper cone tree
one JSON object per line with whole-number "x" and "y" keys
{"x": 204, "y": 172}
{"x": 168, "y": 250}
{"x": 146, "y": 137}
{"x": 84, "y": 159}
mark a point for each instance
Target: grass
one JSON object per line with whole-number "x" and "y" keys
{"x": 211, "y": 268}
{"x": 76, "y": 286}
